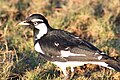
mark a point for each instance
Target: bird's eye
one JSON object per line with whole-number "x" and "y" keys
{"x": 35, "y": 23}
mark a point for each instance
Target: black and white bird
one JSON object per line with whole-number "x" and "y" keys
{"x": 65, "y": 49}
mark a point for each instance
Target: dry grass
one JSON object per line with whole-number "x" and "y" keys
{"x": 97, "y": 21}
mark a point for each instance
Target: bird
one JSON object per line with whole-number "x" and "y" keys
{"x": 65, "y": 49}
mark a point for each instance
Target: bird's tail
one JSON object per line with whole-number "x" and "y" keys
{"x": 112, "y": 63}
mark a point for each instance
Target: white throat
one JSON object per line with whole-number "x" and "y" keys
{"x": 42, "y": 30}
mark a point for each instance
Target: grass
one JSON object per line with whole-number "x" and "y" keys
{"x": 96, "y": 21}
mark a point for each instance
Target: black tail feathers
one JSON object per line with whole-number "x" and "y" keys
{"x": 113, "y": 63}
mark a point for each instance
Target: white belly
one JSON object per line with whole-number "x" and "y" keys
{"x": 75, "y": 63}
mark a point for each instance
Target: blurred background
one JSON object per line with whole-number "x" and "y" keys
{"x": 97, "y": 21}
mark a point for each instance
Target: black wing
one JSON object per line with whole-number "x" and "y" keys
{"x": 57, "y": 40}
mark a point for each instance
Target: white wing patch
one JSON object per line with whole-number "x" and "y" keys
{"x": 102, "y": 53}
{"x": 77, "y": 37}
{"x": 38, "y": 48}
{"x": 99, "y": 57}
{"x": 56, "y": 44}
{"x": 68, "y": 53}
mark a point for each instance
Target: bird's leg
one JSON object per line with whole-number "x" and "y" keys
{"x": 72, "y": 73}
{"x": 66, "y": 74}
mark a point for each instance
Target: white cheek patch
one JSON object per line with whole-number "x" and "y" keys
{"x": 68, "y": 53}
{"x": 41, "y": 26}
{"x": 38, "y": 48}
{"x": 38, "y": 35}
{"x": 35, "y": 20}
{"x": 42, "y": 30}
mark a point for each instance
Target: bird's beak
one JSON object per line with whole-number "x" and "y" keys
{"x": 24, "y": 23}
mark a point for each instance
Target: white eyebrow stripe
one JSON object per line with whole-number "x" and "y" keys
{"x": 34, "y": 20}
{"x": 68, "y": 53}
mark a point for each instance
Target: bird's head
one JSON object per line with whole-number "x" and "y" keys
{"x": 38, "y": 23}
